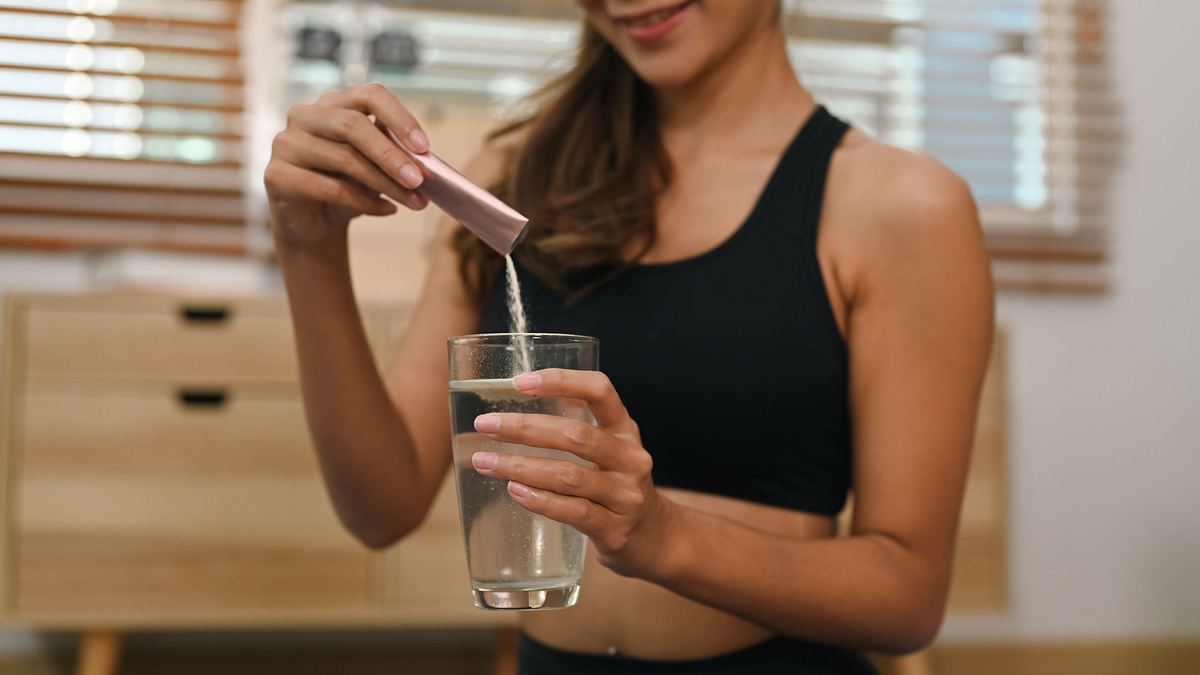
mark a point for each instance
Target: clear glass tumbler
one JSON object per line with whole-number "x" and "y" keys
{"x": 516, "y": 559}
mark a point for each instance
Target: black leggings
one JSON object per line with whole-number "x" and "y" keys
{"x": 777, "y": 656}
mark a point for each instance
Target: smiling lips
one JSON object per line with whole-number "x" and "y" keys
{"x": 655, "y": 23}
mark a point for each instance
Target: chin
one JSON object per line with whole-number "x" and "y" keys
{"x": 666, "y": 70}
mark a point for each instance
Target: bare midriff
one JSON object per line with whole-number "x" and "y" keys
{"x": 635, "y": 618}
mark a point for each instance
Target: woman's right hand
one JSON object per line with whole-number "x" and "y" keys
{"x": 332, "y": 163}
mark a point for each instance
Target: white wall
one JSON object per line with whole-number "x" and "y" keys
{"x": 1105, "y": 392}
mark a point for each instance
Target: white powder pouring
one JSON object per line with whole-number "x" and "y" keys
{"x": 516, "y": 319}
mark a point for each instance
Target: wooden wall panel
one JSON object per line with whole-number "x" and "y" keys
{"x": 981, "y": 563}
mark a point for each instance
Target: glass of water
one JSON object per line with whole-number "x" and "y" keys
{"x": 516, "y": 559}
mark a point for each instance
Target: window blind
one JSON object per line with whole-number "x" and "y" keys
{"x": 121, "y": 124}
{"x": 1014, "y": 95}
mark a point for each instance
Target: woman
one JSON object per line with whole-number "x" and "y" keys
{"x": 786, "y": 307}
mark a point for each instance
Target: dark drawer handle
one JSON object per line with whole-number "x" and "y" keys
{"x": 203, "y": 398}
{"x": 205, "y": 315}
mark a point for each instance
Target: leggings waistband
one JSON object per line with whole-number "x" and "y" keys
{"x": 775, "y": 656}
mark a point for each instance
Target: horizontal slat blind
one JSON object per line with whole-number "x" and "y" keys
{"x": 1015, "y": 95}
{"x": 121, "y": 124}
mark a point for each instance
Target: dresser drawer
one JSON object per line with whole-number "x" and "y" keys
{"x": 156, "y": 338}
{"x": 133, "y": 497}
{"x": 160, "y": 430}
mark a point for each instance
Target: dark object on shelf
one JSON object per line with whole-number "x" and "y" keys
{"x": 395, "y": 50}
{"x": 317, "y": 43}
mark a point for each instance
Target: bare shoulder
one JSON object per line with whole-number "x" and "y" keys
{"x": 888, "y": 207}
{"x": 899, "y": 192}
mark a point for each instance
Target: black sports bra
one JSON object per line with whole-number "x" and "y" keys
{"x": 731, "y": 362}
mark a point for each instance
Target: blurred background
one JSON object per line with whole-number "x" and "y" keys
{"x": 161, "y": 511}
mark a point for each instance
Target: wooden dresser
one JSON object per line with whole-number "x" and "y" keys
{"x": 158, "y": 473}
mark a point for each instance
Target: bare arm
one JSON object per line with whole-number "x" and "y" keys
{"x": 382, "y": 448}
{"x": 381, "y": 470}
{"x": 919, "y": 330}
{"x": 919, "y": 333}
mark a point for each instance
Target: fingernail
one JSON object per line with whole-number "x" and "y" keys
{"x": 487, "y": 424}
{"x": 484, "y": 460}
{"x": 519, "y": 490}
{"x": 410, "y": 177}
{"x": 527, "y": 382}
{"x": 418, "y": 140}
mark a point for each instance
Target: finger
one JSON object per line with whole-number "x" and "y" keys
{"x": 584, "y": 515}
{"x": 559, "y": 433}
{"x": 375, "y": 99}
{"x": 289, "y": 180}
{"x": 561, "y": 477}
{"x": 588, "y": 385}
{"x": 355, "y": 128}
{"x": 363, "y": 189}
{"x": 307, "y": 150}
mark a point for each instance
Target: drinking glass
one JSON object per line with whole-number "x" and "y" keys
{"x": 516, "y": 559}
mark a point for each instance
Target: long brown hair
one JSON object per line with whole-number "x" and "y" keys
{"x": 588, "y": 169}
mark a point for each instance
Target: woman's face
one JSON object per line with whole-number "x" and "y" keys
{"x": 669, "y": 43}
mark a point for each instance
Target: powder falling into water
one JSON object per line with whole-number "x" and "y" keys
{"x": 516, "y": 318}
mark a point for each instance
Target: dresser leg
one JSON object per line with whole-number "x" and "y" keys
{"x": 99, "y": 653}
{"x": 504, "y": 659}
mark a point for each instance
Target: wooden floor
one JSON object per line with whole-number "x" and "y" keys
{"x": 1057, "y": 659}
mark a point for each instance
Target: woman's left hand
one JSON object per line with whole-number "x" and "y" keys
{"x": 614, "y": 503}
